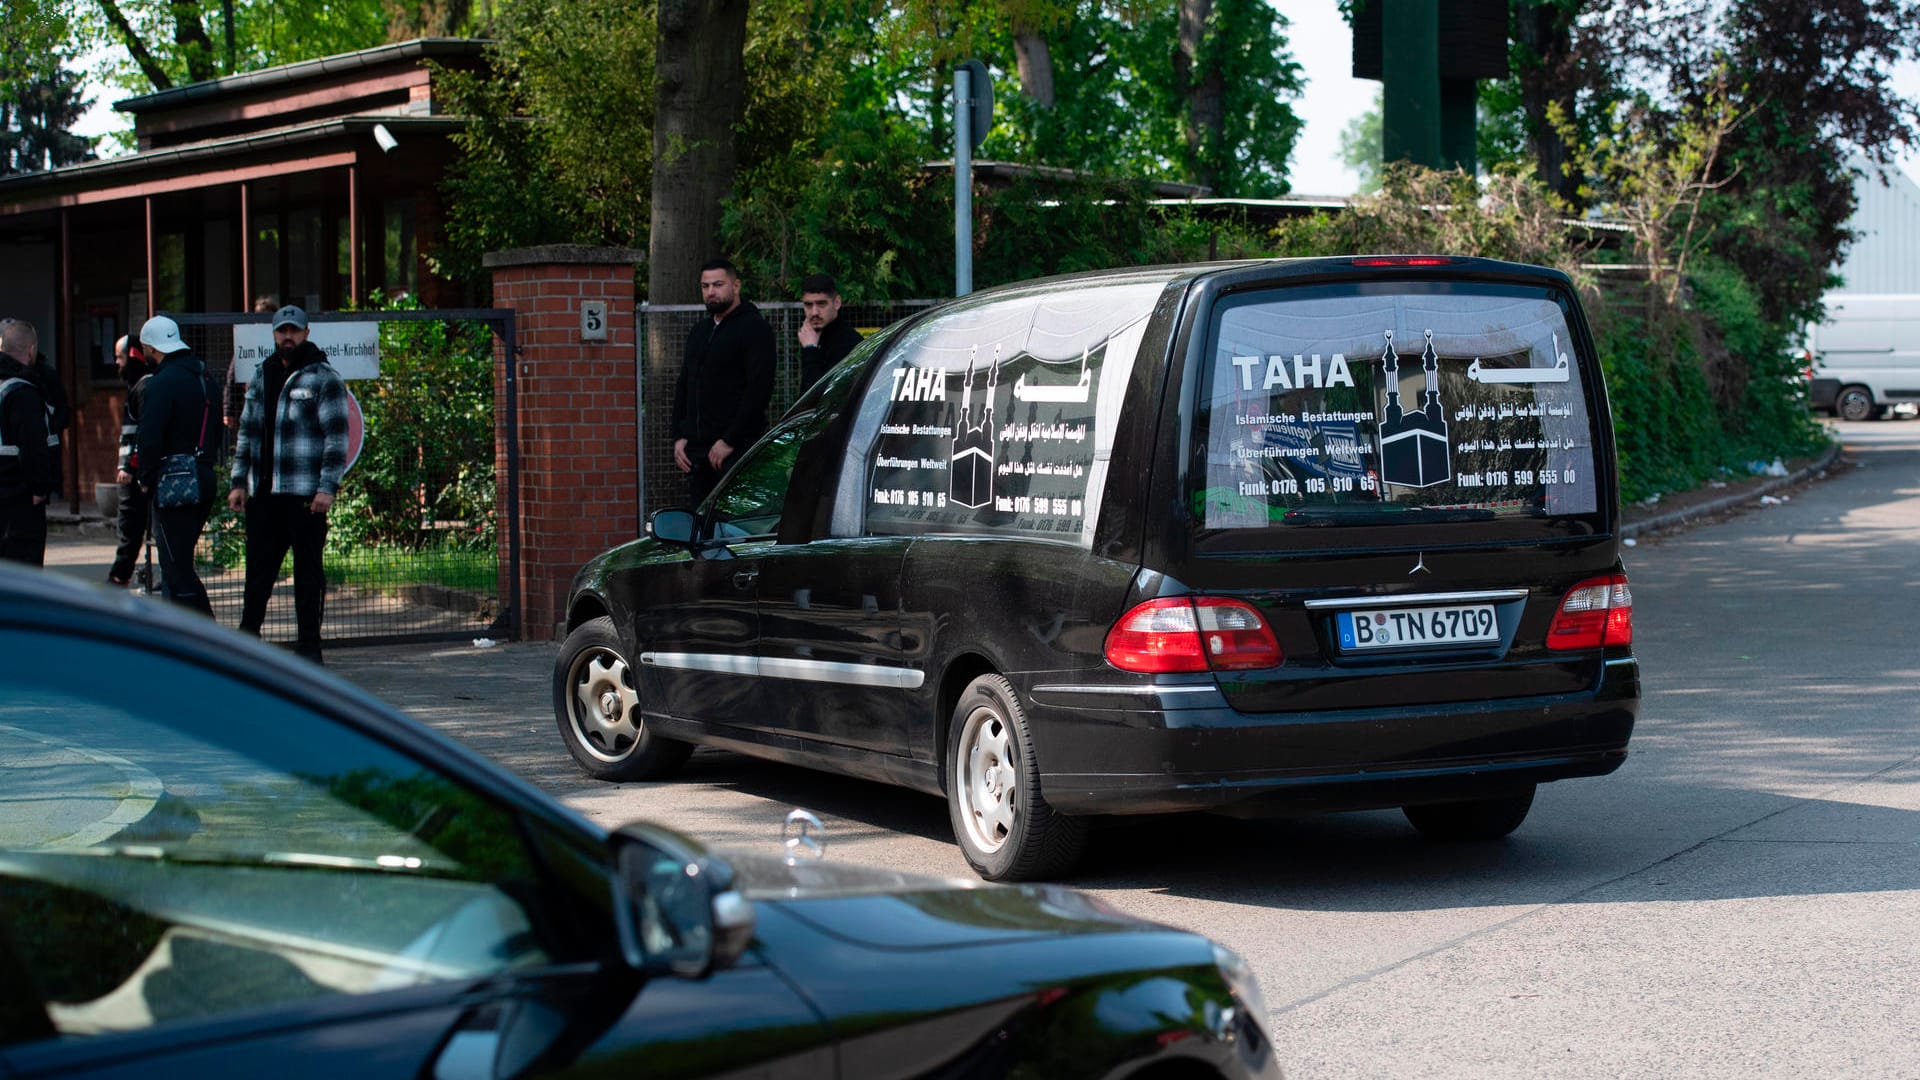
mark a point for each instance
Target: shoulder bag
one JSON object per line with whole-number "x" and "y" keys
{"x": 179, "y": 483}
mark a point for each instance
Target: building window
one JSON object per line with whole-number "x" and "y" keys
{"x": 266, "y": 268}
{"x": 402, "y": 257}
{"x": 170, "y": 266}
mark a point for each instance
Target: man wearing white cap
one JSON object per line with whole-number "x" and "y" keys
{"x": 177, "y": 422}
{"x": 288, "y": 460}
{"x": 29, "y": 465}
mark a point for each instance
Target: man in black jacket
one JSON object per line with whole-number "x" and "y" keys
{"x": 130, "y": 519}
{"x": 825, "y": 338}
{"x": 720, "y": 402}
{"x": 176, "y": 418}
{"x": 28, "y": 455}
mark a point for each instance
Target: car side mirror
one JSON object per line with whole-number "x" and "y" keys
{"x": 676, "y": 910}
{"x": 674, "y": 526}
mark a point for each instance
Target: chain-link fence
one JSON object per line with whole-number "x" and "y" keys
{"x": 670, "y": 324}
{"x": 419, "y": 538}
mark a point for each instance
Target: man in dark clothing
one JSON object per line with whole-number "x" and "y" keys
{"x": 46, "y": 378}
{"x": 130, "y": 519}
{"x": 29, "y": 458}
{"x": 825, "y": 339}
{"x": 720, "y": 402}
{"x": 176, "y": 417}
{"x": 288, "y": 461}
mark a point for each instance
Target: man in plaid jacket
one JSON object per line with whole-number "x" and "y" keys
{"x": 287, "y": 464}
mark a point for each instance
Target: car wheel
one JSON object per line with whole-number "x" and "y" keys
{"x": 1477, "y": 819}
{"x": 1006, "y": 830}
{"x": 1854, "y": 403}
{"x": 598, "y": 708}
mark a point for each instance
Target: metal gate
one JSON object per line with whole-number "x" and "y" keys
{"x": 422, "y": 538}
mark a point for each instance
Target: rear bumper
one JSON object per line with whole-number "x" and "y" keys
{"x": 1154, "y": 756}
{"x": 1822, "y": 392}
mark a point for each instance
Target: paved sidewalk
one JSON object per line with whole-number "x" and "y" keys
{"x": 57, "y": 794}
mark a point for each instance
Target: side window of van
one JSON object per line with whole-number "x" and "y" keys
{"x": 996, "y": 417}
{"x": 749, "y": 503}
{"x": 1343, "y": 405}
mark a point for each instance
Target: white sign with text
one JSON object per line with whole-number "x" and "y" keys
{"x": 353, "y": 348}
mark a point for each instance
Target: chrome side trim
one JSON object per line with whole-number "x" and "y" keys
{"x": 724, "y": 663}
{"x": 898, "y": 678}
{"x": 777, "y": 668}
{"x": 1416, "y": 599}
{"x": 1147, "y": 690}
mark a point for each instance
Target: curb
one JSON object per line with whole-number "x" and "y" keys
{"x": 1728, "y": 502}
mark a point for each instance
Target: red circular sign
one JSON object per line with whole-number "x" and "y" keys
{"x": 356, "y": 429}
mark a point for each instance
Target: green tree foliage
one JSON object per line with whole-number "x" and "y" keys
{"x": 846, "y": 103}
{"x": 425, "y": 476}
{"x": 1360, "y": 145}
{"x": 560, "y": 144}
{"x": 40, "y": 95}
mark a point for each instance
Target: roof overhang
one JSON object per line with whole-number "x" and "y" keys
{"x": 303, "y": 148}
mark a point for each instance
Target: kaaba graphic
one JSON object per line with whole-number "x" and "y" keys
{"x": 970, "y": 472}
{"x": 1413, "y": 445}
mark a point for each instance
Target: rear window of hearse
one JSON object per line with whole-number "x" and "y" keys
{"x": 1380, "y": 404}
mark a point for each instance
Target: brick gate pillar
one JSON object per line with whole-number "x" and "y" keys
{"x": 577, "y": 437}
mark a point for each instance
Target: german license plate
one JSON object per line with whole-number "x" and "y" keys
{"x": 1408, "y": 628}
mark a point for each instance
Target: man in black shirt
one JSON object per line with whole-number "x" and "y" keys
{"x": 726, "y": 379}
{"x": 29, "y": 462}
{"x": 825, "y": 338}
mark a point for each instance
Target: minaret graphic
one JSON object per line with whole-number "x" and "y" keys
{"x": 970, "y": 472}
{"x": 1413, "y": 445}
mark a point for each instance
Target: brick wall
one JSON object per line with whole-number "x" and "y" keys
{"x": 577, "y": 425}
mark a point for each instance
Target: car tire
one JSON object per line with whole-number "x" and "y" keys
{"x": 1476, "y": 819}
{"x": 1854, "y": 403}
{"x": 1005, "y": 828}
{"x": 597, "y": 706}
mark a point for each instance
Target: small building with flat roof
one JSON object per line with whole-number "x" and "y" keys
{"x": 312, "y": 183}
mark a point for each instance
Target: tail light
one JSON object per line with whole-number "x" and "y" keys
{"x": 1403, "y": 260}
{"x": 1596, "y": 612}
{"x": 1180, "y": 633}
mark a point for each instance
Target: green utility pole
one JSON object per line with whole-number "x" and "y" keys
{"x": 1429, "y": 56}
{"x": 1410, "y": 81}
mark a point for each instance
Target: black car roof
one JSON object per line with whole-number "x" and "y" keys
{"x": 42, "y": 601}
{"x": 1235, "y": 272}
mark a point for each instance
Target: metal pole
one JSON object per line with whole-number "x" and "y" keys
{"x": 962, "y": 181}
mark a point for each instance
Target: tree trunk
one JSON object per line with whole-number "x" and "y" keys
{"x": 136, "y": 48}
{"x": 1034, "y": 62}
{"x": 196, "y": 48}
{"x": 1546, "y": 29}
{"x": 226, "y": 24}
{"x": 1200, "y": 82}
{"x": 700, "y": 88}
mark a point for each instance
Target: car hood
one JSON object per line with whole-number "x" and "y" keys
{"x": 896, "y": 910}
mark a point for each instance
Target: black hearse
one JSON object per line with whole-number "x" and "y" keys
{"x": 1258, "y": 537}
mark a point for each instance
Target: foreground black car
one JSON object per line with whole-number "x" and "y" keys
{"x": 1316, "y": 534}
{"x": 216, "y": 860}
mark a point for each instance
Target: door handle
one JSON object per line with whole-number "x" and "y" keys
{"x": 744, "y": 579}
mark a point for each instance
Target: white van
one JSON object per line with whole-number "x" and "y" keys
{"x": 1866, "y": 356}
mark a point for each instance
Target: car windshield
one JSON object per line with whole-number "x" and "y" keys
{"x": 1393, "y": 404}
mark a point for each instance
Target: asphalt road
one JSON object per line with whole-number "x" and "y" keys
{"x": 1741, "y": 899}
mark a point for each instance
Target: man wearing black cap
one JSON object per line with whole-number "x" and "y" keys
{"x": 287, "y": 464}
